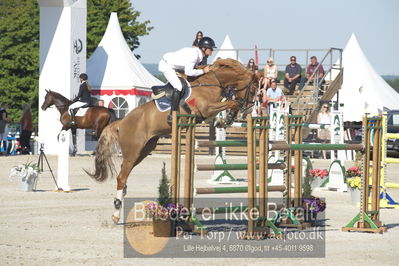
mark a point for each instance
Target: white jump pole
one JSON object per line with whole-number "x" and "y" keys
{"x": 62, "y": 59}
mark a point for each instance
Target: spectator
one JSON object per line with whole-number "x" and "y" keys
{"x": 251, "y": 66}
{"x": 274, "y": 94}
{"x": 260, "y": 101}
{"x": 26, "y": 129}
{"x": 292, "y": 75}
{"x": 324, "y": 118}
{"x": 309, "y": 71}
{"x": 100, "y": 103}
{"x": 4, "y": 120}
{"x": 198, "y": 37}
{"x": 269, "y": 73}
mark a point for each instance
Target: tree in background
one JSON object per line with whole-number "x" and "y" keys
{"x": 98, "y": 13}
{"x": 19, "y": 56}
{"x": 394, "y": 84}
{"x": 19, "y": 45}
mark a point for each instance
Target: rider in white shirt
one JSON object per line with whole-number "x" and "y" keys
{"x": 186, "y": 60}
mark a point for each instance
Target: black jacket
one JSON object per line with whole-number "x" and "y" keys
{"x": 84, "y": 94}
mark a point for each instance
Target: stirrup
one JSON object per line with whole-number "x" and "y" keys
{"x": 169, "y": 119}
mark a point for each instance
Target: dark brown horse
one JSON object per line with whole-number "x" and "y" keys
{"x": 96, "y": 118}
{"x": 137, "y": 133}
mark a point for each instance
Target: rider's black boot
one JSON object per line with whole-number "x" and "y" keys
{"x": 175, "y": 105}
{"x": 73, "y": 112}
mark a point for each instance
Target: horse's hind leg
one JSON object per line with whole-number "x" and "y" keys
{"x": 126, "y": 168}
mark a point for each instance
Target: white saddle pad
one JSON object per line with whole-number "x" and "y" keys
{"x": 82, "y": 111}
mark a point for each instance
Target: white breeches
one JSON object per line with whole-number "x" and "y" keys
{"x": 170, "y": 74}
{"x": 76, "y": 105}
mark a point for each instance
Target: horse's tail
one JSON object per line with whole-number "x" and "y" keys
{"x": 112, "y": 116}
{"x": 107, "y": 146}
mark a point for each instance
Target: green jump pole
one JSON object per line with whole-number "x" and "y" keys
{"x": 308, "y": 147}
{"x": 243, "y": 166}
{"x": 221, "y": 190}
{"x": 222, "y": 143}
{"x": 283, "y": 146}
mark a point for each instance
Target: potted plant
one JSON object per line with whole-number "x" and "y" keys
{"x": 27, "y": 175}
{"x": 317, "y": 176}
{"x": 354, "y": 183}
{"x": 311, "y": 205}
{"x": 163, "y": 212}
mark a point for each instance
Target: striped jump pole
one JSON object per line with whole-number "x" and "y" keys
{"x": 316, "y": 126}
{"x": 220, "y": 190}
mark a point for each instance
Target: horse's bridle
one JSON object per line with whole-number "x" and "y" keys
{"x": 243, "y": 102}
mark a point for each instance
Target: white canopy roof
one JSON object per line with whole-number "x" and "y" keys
{"x": 114, "y": 66}
{"x": 226, "y": 54}
{"x": 363, "y": 89}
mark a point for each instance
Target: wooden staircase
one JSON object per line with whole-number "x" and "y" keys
{"x": 308, "y": 103}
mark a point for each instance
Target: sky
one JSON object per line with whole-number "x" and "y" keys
{"x": 288, "y": 24}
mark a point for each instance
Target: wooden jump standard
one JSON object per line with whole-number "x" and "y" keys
{"x": 366, "y": 220}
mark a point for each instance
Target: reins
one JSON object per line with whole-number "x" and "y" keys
{"x": 242, "y": 101}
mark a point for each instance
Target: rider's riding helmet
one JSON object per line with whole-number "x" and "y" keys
{"x": 206, "y": 42}
{"x": 83, "y": 76}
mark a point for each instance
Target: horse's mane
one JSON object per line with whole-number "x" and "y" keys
{"x": 232, "y": 64}
{"x": 61, "y": 98}
{"x": 224, "y": 65}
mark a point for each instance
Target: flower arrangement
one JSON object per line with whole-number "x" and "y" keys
{"x": 314, "y": 204}
{"x": 27, "y": 173}
{"x": 314, "y": 173}
{"x": 163, "y": 209}
{"x": 158, "y": 212}
{"x": 355, "y": 182}
{"x": 353, "y": 172}
{"x": 353, "y": 178}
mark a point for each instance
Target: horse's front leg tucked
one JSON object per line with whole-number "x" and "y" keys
{"x": 212, "y": 109}
{"x": 63, "y": 128}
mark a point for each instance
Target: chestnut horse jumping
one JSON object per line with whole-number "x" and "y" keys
{"x": 96, "y": 117}
{"x": 137, "y": 133}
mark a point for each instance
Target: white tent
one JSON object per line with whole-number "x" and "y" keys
{"x": 226, "y": 50}
{"x": 363, "y": 89}
{"x": 115, "y": 74}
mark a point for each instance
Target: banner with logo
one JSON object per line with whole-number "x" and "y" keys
{"x": 78, "y": 56}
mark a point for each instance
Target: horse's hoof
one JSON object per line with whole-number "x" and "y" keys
{"x": 115, "y": 219}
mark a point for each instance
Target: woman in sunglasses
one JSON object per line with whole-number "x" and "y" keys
{"x": 324, "y": 117}
{"x": 251, "y": 66}
{"x": 269, "y": 73}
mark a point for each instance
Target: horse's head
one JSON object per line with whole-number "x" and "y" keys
{"x": 232, "y": 73}
{"x": 48, "y": 100}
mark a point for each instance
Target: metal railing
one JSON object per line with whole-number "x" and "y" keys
{"x": 275, "y": 53}
{"x": 316, "y": 81}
